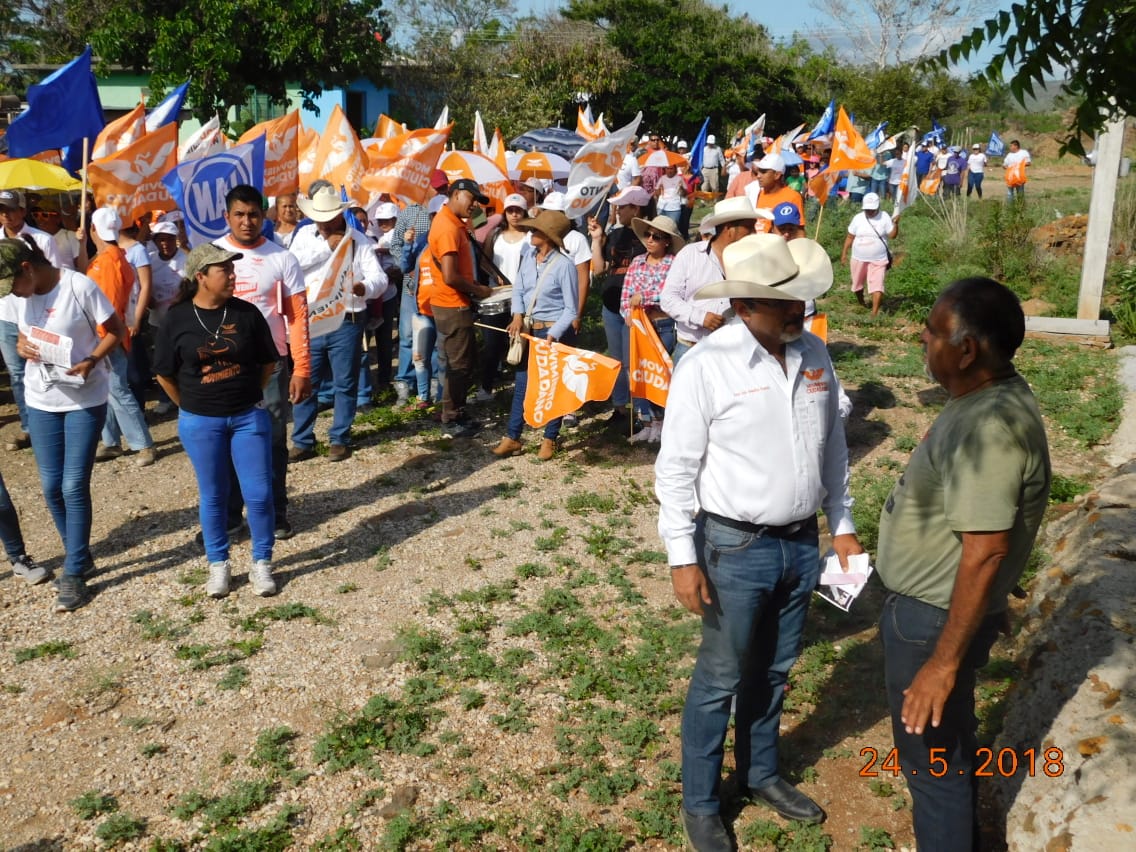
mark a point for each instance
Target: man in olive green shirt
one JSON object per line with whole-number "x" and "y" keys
{"x": 955, "y": 534}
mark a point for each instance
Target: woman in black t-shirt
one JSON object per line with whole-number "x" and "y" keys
{"x": 214, "y": 358}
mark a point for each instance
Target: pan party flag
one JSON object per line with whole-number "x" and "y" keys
{"x": 130, "y": 179}
{"x": 199, "y": 187}
{"x": 62, "y": 110}
{"x": 651, "y": 365}
{"x": 594, "y": 169}
{"x": 281, "y": 152}
{"x": 328, "y": 288}
{"x": 403, "y": 164}
{"x": 849, "y": 151}
{"x": 561, "y": 379}
{"x": 120, "y": 133}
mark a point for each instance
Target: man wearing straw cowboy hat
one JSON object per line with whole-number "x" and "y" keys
{"x": 699, "y": 264}
{"x": 738, "y": 516}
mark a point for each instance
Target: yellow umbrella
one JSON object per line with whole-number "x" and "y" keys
{"x": 33, "y": 174}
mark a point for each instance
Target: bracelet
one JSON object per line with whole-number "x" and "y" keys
{"x": 90, "y": 358}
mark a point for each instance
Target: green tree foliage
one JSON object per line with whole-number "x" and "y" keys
{"x": 905, "y": 96}
{"x": 1090, "y": 43}
{"x": 689, "y": 59}
{"x": 34, "y": 32}
{"x": 229, "y": 48}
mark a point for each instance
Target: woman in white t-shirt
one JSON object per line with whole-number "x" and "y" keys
{"x": 868, "y": 235}
{"x": 66, "y": 392}
{"x": 671, "y": 193}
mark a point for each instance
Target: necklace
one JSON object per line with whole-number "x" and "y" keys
{"x": 216, "y": 334}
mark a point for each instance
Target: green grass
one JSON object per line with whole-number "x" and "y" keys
{"x": 1076, "y": 389}
{"x": 120, "y": 828}
{"x": 93, "y": 803}
{"x": 46, "y": 650}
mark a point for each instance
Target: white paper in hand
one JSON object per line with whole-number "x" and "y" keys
{"x": 839, "y": 587}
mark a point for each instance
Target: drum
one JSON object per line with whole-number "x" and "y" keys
{"x": 501, "y": 302}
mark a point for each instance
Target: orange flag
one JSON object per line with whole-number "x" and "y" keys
{"x": 52, "y": 155}
{"x": 849, "y": 150}
{"x": 930, "y": 184}
{"x": 388, "y": 127}
{"x": 328, "y": 288}
{"x": 340, "y": 157}
{"x": 120, "y": 133}
{"x": 403, "y": 164}
{"x": 651, "y": 365}
{"x": 308, "y": 146}
{"x": 1016, "y": 174}
{"x": 281, "y": 152}
{"x": 821, "y": 184}
{"x": 562, "y": 378}
{"x": 497, "y": 150}
{"x": 818, "y": 325}
{"x": 130, "y": 180}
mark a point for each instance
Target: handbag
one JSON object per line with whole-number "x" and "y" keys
{"x": 516, "y": 353}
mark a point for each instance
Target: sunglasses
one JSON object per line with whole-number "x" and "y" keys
{"x": 655, "y": 235}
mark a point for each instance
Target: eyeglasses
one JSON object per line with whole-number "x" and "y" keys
{"x": 654, "y": 235}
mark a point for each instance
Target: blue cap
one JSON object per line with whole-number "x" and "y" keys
{"x": 786, "y": 214}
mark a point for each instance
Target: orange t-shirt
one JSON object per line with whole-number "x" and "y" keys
{"x": 447, "y": 236}
{"x": 772, "y": 200}
{"x": 115, "y": 276}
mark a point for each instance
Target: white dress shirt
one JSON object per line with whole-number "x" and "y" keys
{"x": 695, "y": 266}
{"x": 746, "y": 440}
{"x": 312, "y": 251}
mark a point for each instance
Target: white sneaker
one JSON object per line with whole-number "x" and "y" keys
{"x": 656, "y": 430}
{"x": 402, "y": 391}
{"x": 26, "y": 568}
{"x": 482, "y": 395}
{"x": 260, "y": 576}
{"x": 643, "y": 435}
{"x": 570, "y": 420}
{"x": 217, "y": 586}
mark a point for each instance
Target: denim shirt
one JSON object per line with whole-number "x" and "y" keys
{"x": 559, "y": 296}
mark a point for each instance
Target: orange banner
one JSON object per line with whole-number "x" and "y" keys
{"x": 340, "y": 157}
{"x": 818, "y": 325}
{"x": 650, "y": 365}
{"x": 849, "y": 150}
{"x": 130, "y": 180}
{"x": 52, "y": 156}
{"x": 930, "y": 184}
{"x": 281, "y": 152}
{"x": 821, "y": 184}
{"x": 388, "y": 127}
{"x": 562, "y": 378}
{"x": 307, "y": 146}
{"x": 120, "y": 133}
{"x": 1016, "y": 173}
{"x": 403, "y": 165}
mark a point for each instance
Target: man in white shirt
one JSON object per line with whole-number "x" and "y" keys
{"x": 335, "y": 355}
{"x": 269, "y": 277}
{"x": 753, "y": 445}
{"x": 14, "y": 226}
{"x": 975, "y": 170}
{"x": 1015, "y": 164}
{"x": 698, "y": 264}
{"x": 713, "y": 161}
{"x": 630, "y": 172}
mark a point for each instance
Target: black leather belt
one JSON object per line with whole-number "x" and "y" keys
{"x": 805, "y": 525}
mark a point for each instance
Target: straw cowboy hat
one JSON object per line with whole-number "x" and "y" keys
{"x": 552, "y": 223}
{"x": 765, "y": 266}
{"x": 324, "y": 205}
{"x": 659, "y": 223}
{"x": 738, "y": 209}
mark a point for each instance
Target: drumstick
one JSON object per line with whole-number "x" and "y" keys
{"x": 490, "y": 327}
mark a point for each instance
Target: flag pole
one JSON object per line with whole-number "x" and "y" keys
{"x": 83, "y": 197}
{"x": 820, "y": 218}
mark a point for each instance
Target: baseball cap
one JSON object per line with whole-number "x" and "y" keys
{"x": 976, "y": 146}
{"x": 871, "y": 202}
{"x": 435, "y": 204}
{"x": 206, "y": 255}
{"x": 106, "y": 223}
{"x": 171, "y": 216}
{"x": 682, "y": 145}
{"x": 386, "y": 210}
{"x": 515, "y": 200}
{"x": 554, "y": 201}
{"x": 167, "y": 229}
{"x": 439, "y": 180}
{"x": 631, "y": 195}
{"x": 711, "y": 139}
{"x": 786, "y": 214}
{"x": 13, "y": 254}
{"x": 12, "y": 198}
{"x": 469, "y": 186}
{"x": 772, "y": 163}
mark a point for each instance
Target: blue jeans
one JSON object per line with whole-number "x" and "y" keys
{"x": 9, "y": 336}
{"x": 751, "y": 636}
{"x": 616, "y": 330}
{"x": 879, "y": 187}
{"x": 124, "y": 417}
{"x": 429, "y": 361}
{"x": 336, "y": 353}
{"x": 679, "y": 350}
{"x": 944, "y": 810}
{"x": 64, "y": 443}
{"x": 279, "y": 409}
{"x": 1013, "y": 192}
{"x": 521, "y": 383}
{"x": 10, "y": 525}
{"x": 674, "y": 215}
{"x": 974, "y": 182}
{"x": 407, "y": 308}
{"x": 245, "y": 442}
{"x": 665, "y": 328}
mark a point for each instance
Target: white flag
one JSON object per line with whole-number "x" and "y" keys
{"x": 594, "y": 169}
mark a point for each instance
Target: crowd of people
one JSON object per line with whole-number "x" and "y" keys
{"x": 90, "y": 318}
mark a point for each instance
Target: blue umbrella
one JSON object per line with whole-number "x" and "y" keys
{"x": 791, "y": 158}
{"x": 550, "y": 140}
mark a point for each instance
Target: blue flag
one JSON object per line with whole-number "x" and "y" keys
{"x": 876, "y": 138}
{"x": 936, "y": 134}
{"x": 62, "y": 110}
{"x": 699, "y": 148}
{"x": 168, "y": 110}
{"x": 199, "y": 187}
{"x": 827, "y": 122}
{"x": 995, "y": 147}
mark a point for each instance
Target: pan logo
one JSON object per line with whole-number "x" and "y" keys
{"x": 211, "y": 182}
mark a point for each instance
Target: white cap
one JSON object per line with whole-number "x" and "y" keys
{"x": 107, "y": 223}
{"x": 871, "y": 202}
{"x": 435, "y": 204}
{"x": 682, "y": 144}
{"x": 515, "y": 200}
{"x": 645, "y": 138}
{"x": 554, "y": 201}
{"x": 711, "y": 139}
{"x": 386, "y": 210}
{"x": 772, "y": 162}
{"x": 168, "y": 229}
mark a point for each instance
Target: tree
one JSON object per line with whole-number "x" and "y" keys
{"x": 891, "y": 32}
{"x": 230, "y": 48}
{"x": 689, "y": 59}
{"x": 1089, "y": 42}
{"x": 34, "y": 32}
{"x": 904, "y": 96}
{"x": 432, "y": 21}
